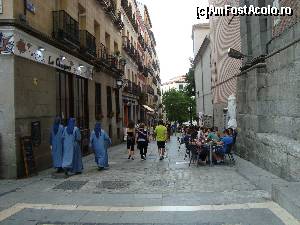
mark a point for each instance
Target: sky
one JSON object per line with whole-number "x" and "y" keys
{"x": 172, "y": 22}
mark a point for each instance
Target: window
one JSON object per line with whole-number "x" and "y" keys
{"x": 98, "y": 107}
{"x": 116, "y": 48}
{"x": 72, "y": 101}
{"x": 110, "y": 131}
{"x": 82, "y": 17}
{"x": 97, "y": 31}
{"x": 63, "y": 96}
{"x": 118, "y": 133}
{"x": 80, "y": 102}
{"x": 109, "y": 100}
{"x": 117, "y": 98}
{"x": 180, "y": 86}
{"x": 107, "y": 42}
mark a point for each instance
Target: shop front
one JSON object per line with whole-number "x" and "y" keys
{"x": 43, "y": 82}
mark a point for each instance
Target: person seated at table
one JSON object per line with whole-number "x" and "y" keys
{"x": 225, "y": 141}
{"x": 212, "y": 135}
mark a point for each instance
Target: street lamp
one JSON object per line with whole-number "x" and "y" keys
{"x": 119, "y": 83}
{"x": 232, "y": 53}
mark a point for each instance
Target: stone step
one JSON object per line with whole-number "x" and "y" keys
{"x": 288, "y": 197}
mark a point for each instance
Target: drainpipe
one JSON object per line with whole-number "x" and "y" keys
{"x": 25, "y": 7}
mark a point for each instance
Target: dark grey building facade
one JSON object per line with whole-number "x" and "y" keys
{"x": 268, "y": 91}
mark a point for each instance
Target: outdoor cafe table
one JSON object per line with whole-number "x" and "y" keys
{"x": 210, "y": 145}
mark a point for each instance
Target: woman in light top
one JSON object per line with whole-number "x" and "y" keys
{"x": 100, "y": 142}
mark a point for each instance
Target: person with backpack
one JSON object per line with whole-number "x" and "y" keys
{"x": 142, "y": 140}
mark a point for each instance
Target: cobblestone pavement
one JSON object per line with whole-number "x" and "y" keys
{"x": 140, "y": 192}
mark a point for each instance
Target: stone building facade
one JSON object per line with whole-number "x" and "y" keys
{"x": 61, "y": 58}
{"x": 268, "y": 90}
{"x": 141, "y": 95}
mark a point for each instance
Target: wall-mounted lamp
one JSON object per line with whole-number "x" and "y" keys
{"x": 119, "y": 83}
{"x": 41, "y": 49}
{"x": 232, "y": 53}
{"x": 80, "y": 67}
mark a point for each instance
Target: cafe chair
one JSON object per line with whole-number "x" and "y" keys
{"x": 229, "y": 154}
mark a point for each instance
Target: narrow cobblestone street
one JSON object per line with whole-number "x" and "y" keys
{"x": 140, "y": 192}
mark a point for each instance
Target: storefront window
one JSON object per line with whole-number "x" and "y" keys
{"x": 98, "y": 107}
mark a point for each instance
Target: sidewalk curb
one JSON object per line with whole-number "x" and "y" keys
{"x": 284, "y": 193}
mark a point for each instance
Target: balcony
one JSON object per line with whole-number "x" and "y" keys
{"x": 131, "y": 51}
{"x": 127, "y": 86}
{"x": 112, "y": 62}
{"x": 154, "y": 81}
{"x": 146, "y": 71}
{"x": 142, "y": 41}
{"x": 110, "y": 7}
{"x": 136, "y": 90}
{"x": 128, "y": 10}
{"x": 158, "y": 92}
{"x": 87, "y": 43}
{"x": 150, "y": 90}
{"x": 66, "y": 29}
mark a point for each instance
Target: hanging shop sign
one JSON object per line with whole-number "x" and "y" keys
{"x": 21, "y": 44}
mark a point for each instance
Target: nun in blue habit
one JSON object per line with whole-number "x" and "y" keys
{"x": 72, "y": 160}
{"x": 56, "y": 144}
{"x": 100, "y": 142}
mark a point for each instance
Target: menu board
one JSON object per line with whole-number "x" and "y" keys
{"x": 28, "y": 156}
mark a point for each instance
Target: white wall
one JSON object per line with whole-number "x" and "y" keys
{"x": 168, "y": 87}
{"x": 198, "y": 36}
{"x": 203, "y": 83}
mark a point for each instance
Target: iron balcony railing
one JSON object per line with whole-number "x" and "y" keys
{"x": 154, "y": 81}
{"x": 136, "y": 89}
{"x": 158, "y": 92}
{"x": 131, "y": 51}
{"x": 88, "y": 43}
{"x": 112, "y": 61}
{"x": 129, "y": 13}
{"x": 65, "y": 28}
{"x": 127, "y": 86}
{"x": 111, "y": 9}
{"x": 150, "y": 90}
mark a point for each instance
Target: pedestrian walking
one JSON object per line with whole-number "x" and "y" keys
{"x": 100, "y": 142}
{"x": 161, "y": 134}
{"x": 142, "y": 141}
{"x": 131, "y": 140}
{"x": 56, "y": 144}
{"x": 72, "y": 160}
